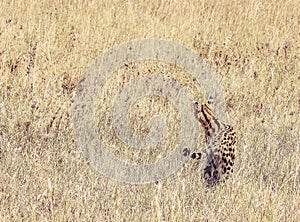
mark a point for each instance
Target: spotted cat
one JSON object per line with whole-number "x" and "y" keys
{"x": 219, "y": 154}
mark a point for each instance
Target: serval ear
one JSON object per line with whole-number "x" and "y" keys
{"x": 210, "y": 100}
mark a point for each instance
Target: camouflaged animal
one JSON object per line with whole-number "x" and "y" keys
{"x": 219, "y": 154}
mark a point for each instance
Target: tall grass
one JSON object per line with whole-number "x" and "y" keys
{"x": 45, "y": 47}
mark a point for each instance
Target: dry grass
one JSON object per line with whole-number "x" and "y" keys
{"x": 44, "y": 47}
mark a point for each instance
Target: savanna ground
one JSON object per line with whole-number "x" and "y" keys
{"x": 44, "y": 49}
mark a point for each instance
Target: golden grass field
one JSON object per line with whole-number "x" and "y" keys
{"x": 254, "y": 47}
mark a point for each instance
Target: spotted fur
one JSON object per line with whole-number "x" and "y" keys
{"x": 219, "y": 154}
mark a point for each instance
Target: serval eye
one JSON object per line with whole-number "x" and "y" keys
{"x": 195, "y": 103}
